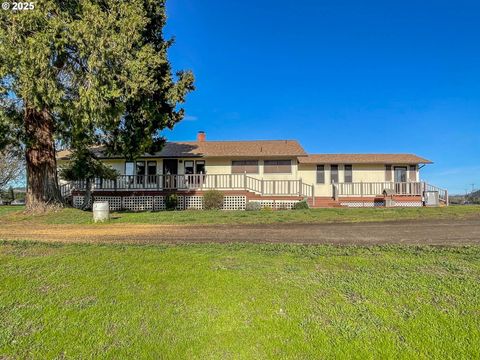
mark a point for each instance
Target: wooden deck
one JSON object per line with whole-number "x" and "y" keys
{"x": 242, "y": 182}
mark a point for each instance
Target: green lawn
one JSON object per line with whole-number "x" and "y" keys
{"x": 73, "y": 216}
{"x": 238, "y": 301}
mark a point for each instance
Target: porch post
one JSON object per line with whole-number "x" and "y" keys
{"x": 245, "y": 180}
{"x": 313, "y": 195}
{"x": 361, "y": 193}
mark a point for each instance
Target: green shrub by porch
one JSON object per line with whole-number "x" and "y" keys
{"x": 213, "y": 200}
{"x": 171, "y": 202}
{"x": 301, "y": 205}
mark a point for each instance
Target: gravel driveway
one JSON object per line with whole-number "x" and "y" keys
{"x": 432, "y": 232}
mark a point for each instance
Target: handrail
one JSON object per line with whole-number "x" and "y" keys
{"x": 377, "y": 188}
{"x": 442, "y": 193}
{"x": 399, "y": 188}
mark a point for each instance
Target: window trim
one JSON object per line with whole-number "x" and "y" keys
{"x": 277, "y": 172}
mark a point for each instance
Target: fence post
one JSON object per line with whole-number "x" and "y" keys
{"x": 446, "y": 198}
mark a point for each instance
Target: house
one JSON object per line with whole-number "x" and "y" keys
{"x": 276, "y": 173}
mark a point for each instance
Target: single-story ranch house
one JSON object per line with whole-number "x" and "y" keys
{"x": 276, "y": 173}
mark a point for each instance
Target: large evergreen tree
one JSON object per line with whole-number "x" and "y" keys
{"x": 83, "y": 72}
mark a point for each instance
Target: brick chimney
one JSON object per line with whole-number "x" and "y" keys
{"x": 201, "y": 136}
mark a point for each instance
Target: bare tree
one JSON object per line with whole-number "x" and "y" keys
{"x": 11, "y": 166}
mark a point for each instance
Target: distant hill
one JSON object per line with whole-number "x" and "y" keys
{"x": 473, "y": 197}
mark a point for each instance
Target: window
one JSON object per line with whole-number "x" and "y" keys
{"x": 152, "y": 168}
{"x": 242, "y": 166}
{"x": 200, "y": 167}
{"x": 348, "y": 173}
{"x": 400, "y": 173}
{"x": 334, "y": 173}
{"x": 140, "y": 168}
{"x": 277, "y": 166}
{"x": 140, "y": 171}
{"x": 129, "y": 168}
{"x": 413, "y": 173}
{"x": 388, "y": 172}
{"x": 188, "y": 167}
{"x": 152, "y": 172}
{"x": 320, "y": 174}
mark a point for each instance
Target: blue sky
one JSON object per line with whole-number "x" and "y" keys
{"x": 339, "y": 76}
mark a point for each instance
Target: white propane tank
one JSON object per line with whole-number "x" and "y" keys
{"x": 101, "y": 211}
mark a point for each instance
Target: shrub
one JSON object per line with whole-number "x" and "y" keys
{"x": 301, "y": 205}
{"x": 213, "y": 200}
{"x": 171, "y": 202}
{"x": 253, "y": 206}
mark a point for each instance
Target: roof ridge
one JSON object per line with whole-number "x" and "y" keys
{"x": 226, "y": 141}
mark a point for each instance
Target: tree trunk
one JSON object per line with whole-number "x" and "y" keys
{"x": 88, "y": 195}
{"x": 43, "y": 191}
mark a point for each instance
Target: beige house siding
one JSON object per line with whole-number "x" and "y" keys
{"x": 360, "y": 173}
{"x": 224, "y": 166}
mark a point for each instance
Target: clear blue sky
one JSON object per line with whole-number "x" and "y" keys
{"x": 339, "y": 76}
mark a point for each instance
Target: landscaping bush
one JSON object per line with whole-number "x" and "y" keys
{"x": 301, "y": 205}
{"x": 171, "y": 202}
{"x": 213, "y": 200}
{"x": 253, "y": 206}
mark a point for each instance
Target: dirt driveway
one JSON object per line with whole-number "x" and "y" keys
{"x": 438, "y": 232}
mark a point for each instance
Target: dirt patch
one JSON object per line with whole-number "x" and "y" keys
{"x": 438, "y": 232}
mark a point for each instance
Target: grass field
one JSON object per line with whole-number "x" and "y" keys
{"x": 74, "y": 216}
{"x": 238, "y": 301}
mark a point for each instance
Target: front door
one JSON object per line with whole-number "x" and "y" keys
{"x": 400, "y": 177}
{"x": 170, "y": 171}
{"x": 401, "y": 174}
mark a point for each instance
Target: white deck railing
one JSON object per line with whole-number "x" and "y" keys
{"x": 396, "y": 188}
{"x": 196, "y": 182}
{"x": 248, "y": 183}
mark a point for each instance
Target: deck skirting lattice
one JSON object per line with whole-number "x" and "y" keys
{"x": 157, "y": 203}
